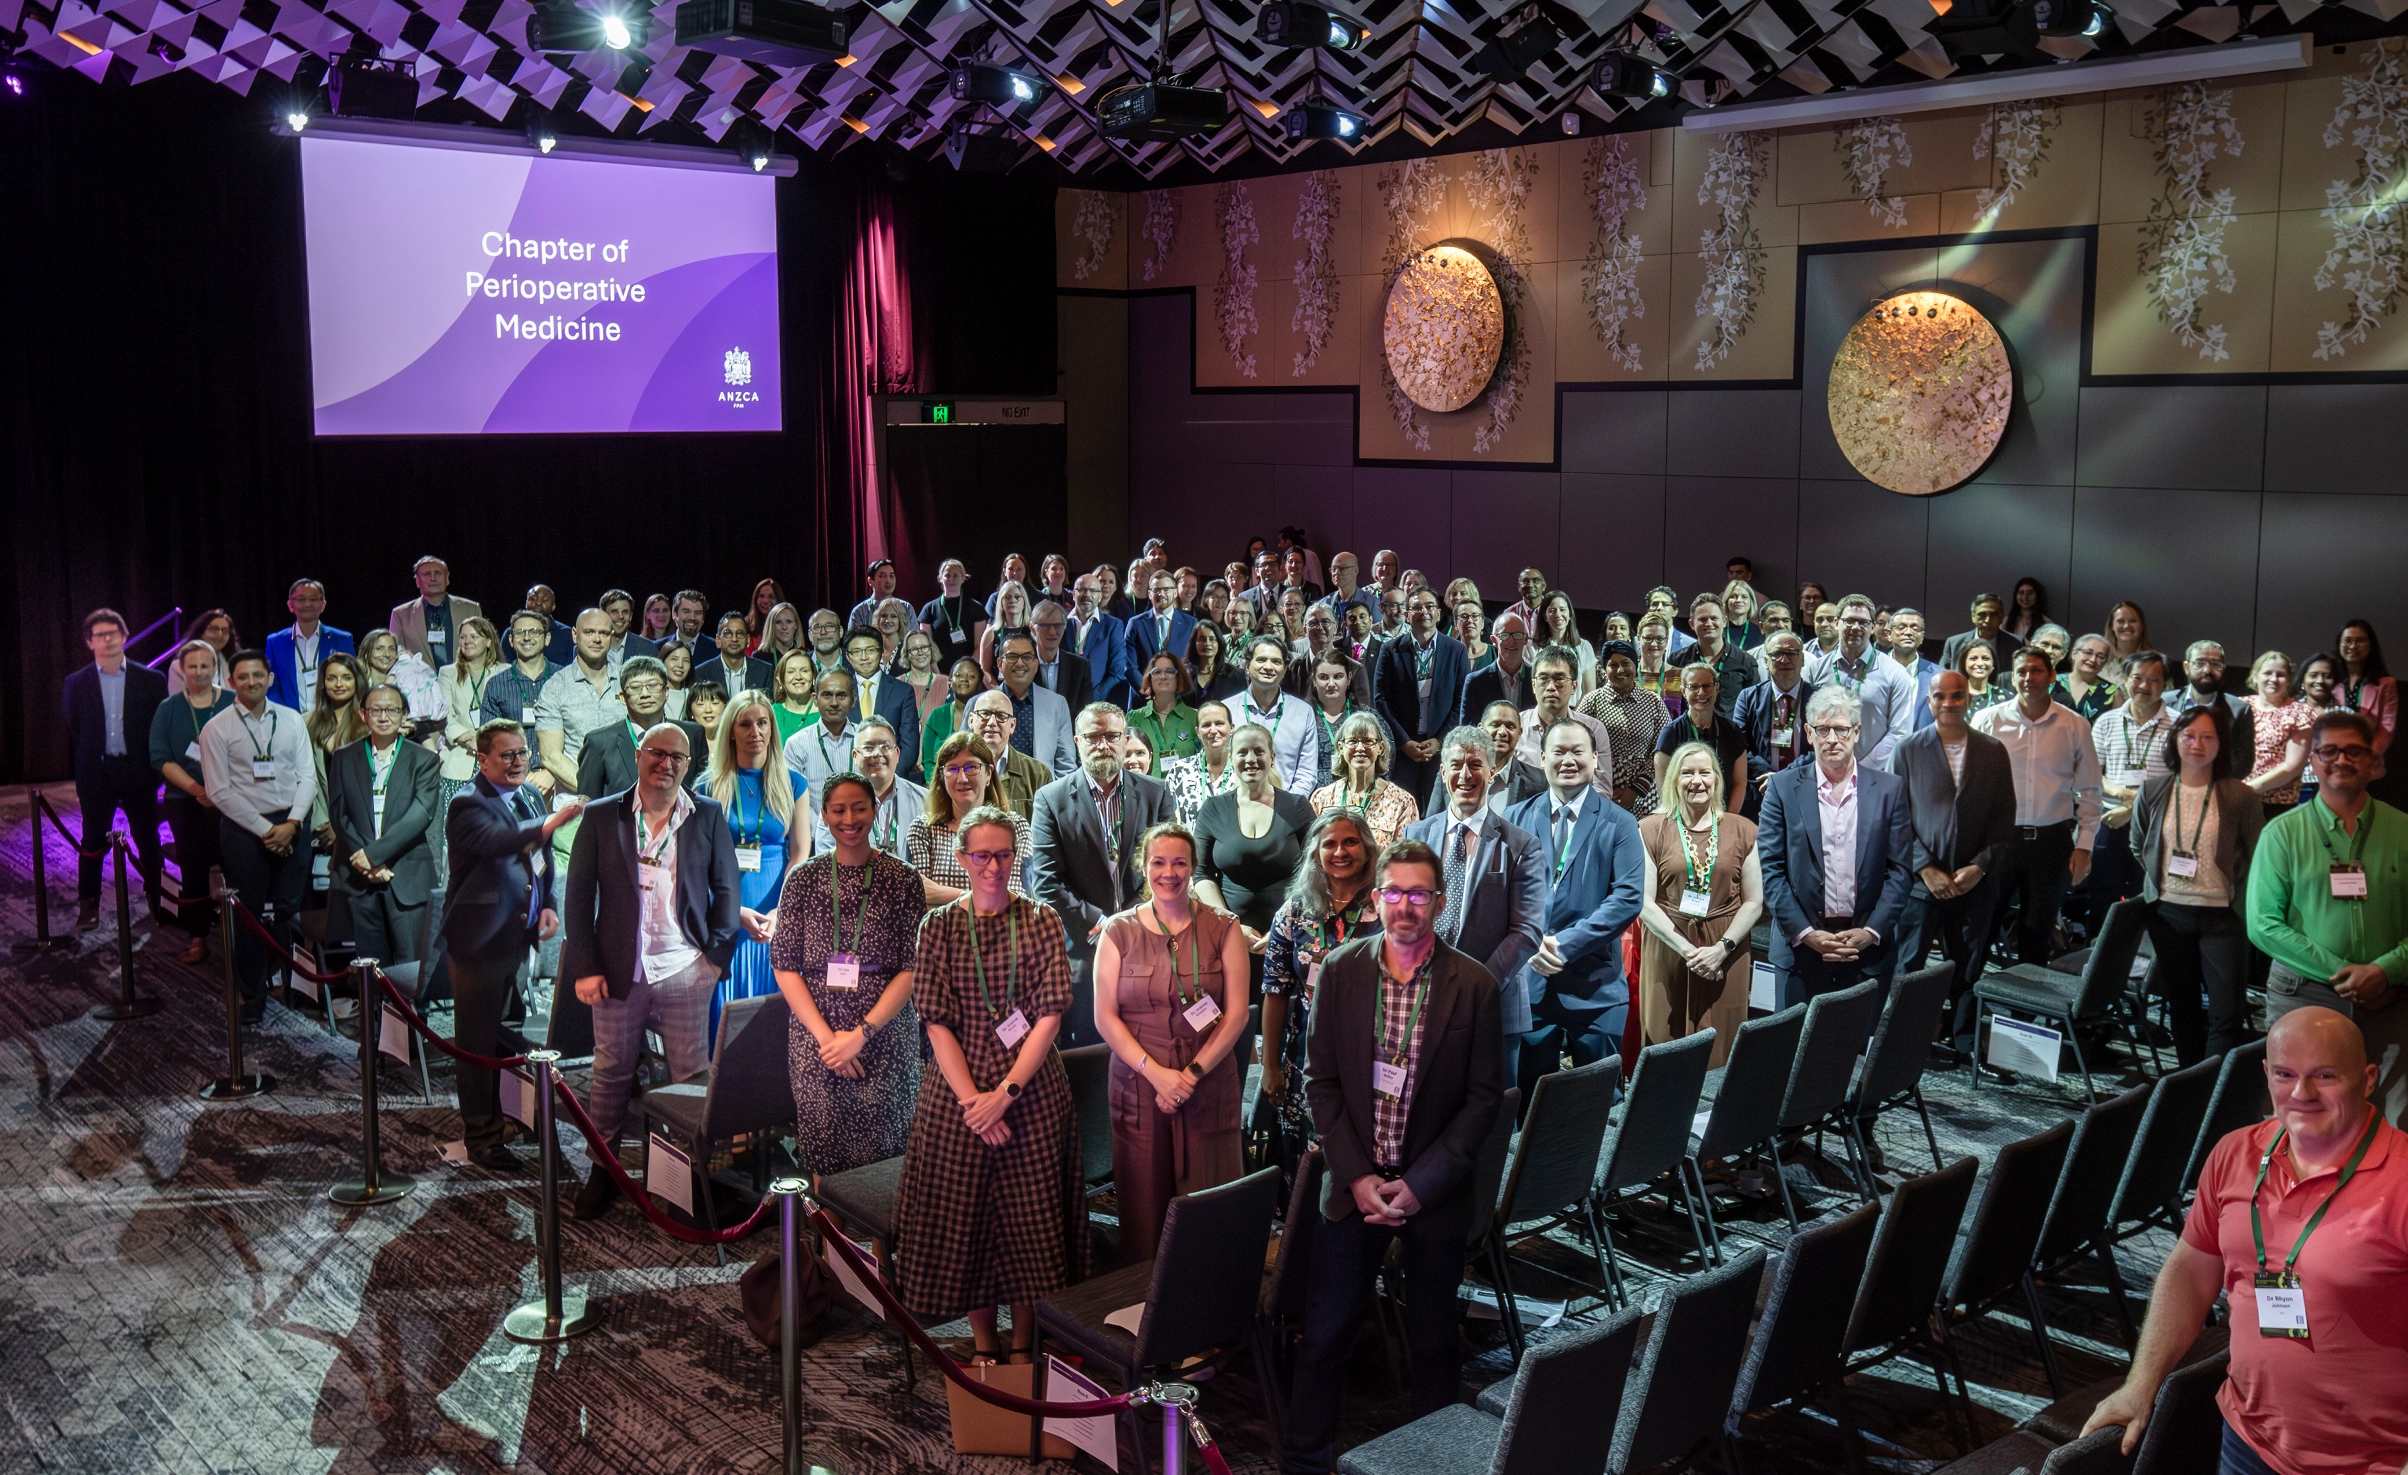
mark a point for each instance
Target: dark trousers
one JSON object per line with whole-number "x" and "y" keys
{"x": 2202, "y": 949}
{"x": 1586, "y": 1035}
{"x": 195, "y": 828}
{"x": 1809, "y": 973}
{"x": 1346, "y": 1259}
{"x": 1078, "y": 1025}
{"x": 381, "y": 927}
{"x": 481, "y": 989}
{"x": 2033, "y": 875}
{"x": 122, "y": 783}
{"x": 260, "y": 879}
{"x": 2114, "y": 874}
{"x": 1961, "y": 925}
{"x": 2237, "y": 1458}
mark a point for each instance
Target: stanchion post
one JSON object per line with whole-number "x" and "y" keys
{"x": 790, "y": 1319}
{"x": 550, "y": 1319}
{"x": 236, "y": 1083}
{"x": 41, "y": 941}
{"x": 1175, "y": 1399}
{"x": 127, "y": 1005}
{"x": 374, "y": 1185}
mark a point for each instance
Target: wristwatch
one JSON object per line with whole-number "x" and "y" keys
{"x": 869, "y": 1027}
{"x": 1730, "y": 945}
{"x": 1195, "y": 1068}
{"x": 1011, "y": 1088}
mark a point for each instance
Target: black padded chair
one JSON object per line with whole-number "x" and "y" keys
{"x": 422, "y": 983}
{"x": 1202, "y": 1295}
{"x": 2186, "y": 1429}
{"x": 2076, "y": 1227}
{"x": 1891, "y": 1072}
{"x": 1681, "y": 1390}
{"x": 1289, "y": 1279}
{"x": 1552, "y": 1409}
{"x": 862, "y": 1200}
{"x": 1795, "y": 1353}
{"x": 1837, "y": 1025}
{"x": 1652, "y": 1138}
{"x": 747, "y": 1090}
{"x": 1994, "y": 1260}
{"x": 2149, "y": 1195}
{"x": 1747, "y": 1092}
{"x": 1090, "y": 1070}
{"x": 2080, "y": 1002}
{"x": 2240, "y": 1100}
{"x": 1551, "y": 1172}
{"x": 1893, "y": 1310}
{"x": 2100, "y": 1452}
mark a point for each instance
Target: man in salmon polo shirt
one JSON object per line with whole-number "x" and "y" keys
{"x": 2302, "y": 1221}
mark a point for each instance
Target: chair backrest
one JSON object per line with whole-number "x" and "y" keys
{"x": 1208, "y": 1272}
{"x": 1090, "y": 1070}
{"x": 1754, "y": 1079}
{"x": 1291, "y": 1263}
{"x": 2094, "y": 1165}
{"x": 2108, "y": 972}
{"x": 1796, "y": 1348}
{"x": 1554, "y": 1162}
{"x": 1568, "y": 1388}
{"x": 1836, "y": 1026}
{"x": 2006, "y": 1224}
{"x": 2153, "y": 1174}
{"x": 751, "y": 1089}
{"x": 1681, "y": 1389}
{"x": 2100, "y": 1452}
{"x": 2240, "y": 1101}
{"x": 1902, "y": 1039}
{"x": 1488, "y": 1169}
{"x": 433, "y": 983}
{"x": 2186, "y": 1431}
{"x": 1910, "y": 1256}
{"x": 1657, "y": 1112}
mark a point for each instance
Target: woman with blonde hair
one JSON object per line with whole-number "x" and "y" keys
{"x": 782, "y": 631}
{"x": 383, "y": 662}
{"x": 964, "y": 778}
{"x": 1011, "y": 613}
{"x": 766, "y": 597}
{"x": 1739, "y": 604}
{"x": 476, "y": 655}
{"x": 1704, "y": 892}
{"x": 749, "y": 778}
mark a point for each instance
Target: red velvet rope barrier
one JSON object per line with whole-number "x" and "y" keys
{"x": 74, "y": 843}
{"x": 261, "y": 932}
{"x": 409, "y": 1016}
{"x": 608, "y": 1156}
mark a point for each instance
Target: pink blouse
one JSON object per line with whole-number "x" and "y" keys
{"x": 2276, "y": 728}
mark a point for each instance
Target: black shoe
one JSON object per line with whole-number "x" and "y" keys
{"x": 497, "y": 1158}
{"x": 594, "y": 1199}
{"x": 1992, "y": 1075}
{"x": 1951, "y": 1056}
{"x": 255, "y": 1012}
{"x": 1874, "y": 1161}
{"x": 87, "y": 915}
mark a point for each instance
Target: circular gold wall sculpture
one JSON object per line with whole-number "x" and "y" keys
{"x": 1920, "y": 391}
{"x": 1445, "y": 327}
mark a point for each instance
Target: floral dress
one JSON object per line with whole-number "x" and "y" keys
{"x": 841, "y": 1122}
{"x": 1292, "y": 950}
{"x": 1389, "y": 808}
{"x": 1190, "y": 785}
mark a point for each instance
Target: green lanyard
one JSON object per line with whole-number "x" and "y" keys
{"x": 660, "y": 847}
{"x": 821, "y": 737}
{"x": 2198, "y": 829}
{"x": 1279, "y": 709}
{"x": 1195, "y": 957}
{"x": 380, "y": 775}
{"x": 2257, "y": 1229}
{"x": 1379, "y": 1011}
{"x": 1713, "y": 853}
{"x": 894, "y": 821}
{"x": 1011, "y": 986}
{"x": 861, "y": 918}
{"x": 258, "y": 752}
{"x": 2134, "y": 733}
{"x": 2357, "y": 842}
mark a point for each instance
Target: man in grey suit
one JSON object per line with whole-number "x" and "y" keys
{"x": 1084, "y": 833}
{"x": 1960, "y": 797}
{"x": 1044, "y": 719}
{"x": 1495, "y": 874}
{"x": 380, "y": 798}
{"x": 1834, "y": 923}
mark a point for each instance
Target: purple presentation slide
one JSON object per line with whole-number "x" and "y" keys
{"x": 459, "y": 292}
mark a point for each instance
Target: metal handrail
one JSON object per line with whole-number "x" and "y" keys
{"x": 174, "y": 620}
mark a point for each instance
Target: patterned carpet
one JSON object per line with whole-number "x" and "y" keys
{"x": 183, "y": 1297}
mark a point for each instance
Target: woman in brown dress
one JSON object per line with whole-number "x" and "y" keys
{"x": 1704, "y": 894}
{"x": 1170, "y": 1001}
{"x": 992, "y": 1207}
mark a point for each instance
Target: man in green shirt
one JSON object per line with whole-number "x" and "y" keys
{"x": 2328, "y": 902}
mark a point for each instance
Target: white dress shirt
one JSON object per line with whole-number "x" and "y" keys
{"x": 666, "y": 950}
{"x": 305, "y": 666}
{"x": 231, "y": 742}
{"x": 1295, "y": 737}
{"x": 2056, "y": 768}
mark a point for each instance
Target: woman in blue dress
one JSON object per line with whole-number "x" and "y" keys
{"x": 750, "y": 779}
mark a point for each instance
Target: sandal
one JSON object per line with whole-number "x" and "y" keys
{"x": 1022, "y": 1355}
{"x": 984, "y": 1357}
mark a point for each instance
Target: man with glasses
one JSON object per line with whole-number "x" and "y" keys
{"x": 875, "y": 753}
{"x": 1404, "y": 1081}
{"x": 2203, "y": 663}
{"x": 1989, "y": 623}
{"x": 1100, "y": 640}
{"x": 1041, "y": 727}
{"x": 381, "y": 799}
{"x": 607, "y": 763}
{"x": 878, "y": 692}
{"x": 1417, "y": 690}
{"x": 1884, "y": 693}
{"x": 1390, "y": 625}
{"x": 1320, "y": 636}
{"x": 1060, "y": 670}
{"x": 498, "y": 839}
{"x": 1906, "y": 652}
{"x": 1494, "y": 875}
{"x": 294, "y": 653}
{"x": 1083, "y": 832}
{"x": 1554, "y": 681}
{"x": 1772, "y": 714}
{"x": 1162, "y": 625}
{"x": 512, "y": 691}
{"x": 2130, "y": 743}
{"x": 1346, "y": 589}
{"x": 732, "y": 670}
{"x": 1019, "y": 775}
{"x": 1507, "y": 678}
{"x": 2328, "y": 902}
{"x": 1836, "y": 843}
{"x": 2056, "y": 802}
{"x": 650, "y": 921}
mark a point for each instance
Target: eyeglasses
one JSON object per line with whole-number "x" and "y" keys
{"x": 509, "y": 756}
{"x": 1834, "y": 734}
{"x": 1396, "y": 897}
{"x": 972, "y": 769}
{"x": 385, "y": 709}
{"x": 642, "y": 688}
{"x": 986, "y": 857}
{"x": 663, "y": 755}
{"x": 874, "y": 750}
{"x": 2354, "y": 752}
{"x": 1103, "y": 737}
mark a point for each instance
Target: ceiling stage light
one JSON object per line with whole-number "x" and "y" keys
{"x": 1318, "y": 120}
{"x": 1302, "y": 26}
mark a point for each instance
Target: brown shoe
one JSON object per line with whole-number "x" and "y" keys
{"x": 195, "y": 952}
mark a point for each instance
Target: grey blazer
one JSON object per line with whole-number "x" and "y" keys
{"x": 1500, "y": 921}
{"x": 1066, "y": 833}
{"x": 2240, "y": 818}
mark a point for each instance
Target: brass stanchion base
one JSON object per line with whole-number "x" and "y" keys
{"x": 234, "y": 1088}
{"x": 42, "y": 945}
{"x": 532, "y": 1323}
{"x": 388, "y": 1188}
{"x": 134, "y": 1008}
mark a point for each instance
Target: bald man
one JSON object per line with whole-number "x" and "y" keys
{"x": 2319, "y": 1377}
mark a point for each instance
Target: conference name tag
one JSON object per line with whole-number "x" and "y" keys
{"x": 2348, "y": 880}
{"x": 192, "y": 750}
{"x": 1013, "y": 1030}
{"x": 1312, "y": 981}
{"x": 265, "y": 768}
{"x": 2282, "y": 1305}
{"x": 1695, "y": 903}
{"x": 526, "y": 716}
{"x": 844, "y": 971}
{"x": 2182, "y": 865}
{"x": 748, "y": 857}
{"x": 1387, "y": 1079}
{"x": 438, "y": 637}
{"x": 1784, "y": 736}
{"x": 1201, "y": 1014}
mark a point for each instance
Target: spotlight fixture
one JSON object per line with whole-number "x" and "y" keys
{"x": 561, "y": 26}
{"x": 2085, "y": 18}
{"x": 751, "y": 143}
{"x": 297, "y": 119}
{"x": 1318, "y": 120}
{"x": 975, "y": 152}
{"x": 542, "y": 134}
{"x": 1162, "y": 111}
{"x": 998, "y": 86}
{"x": 1625, "y": 75}
{"x": 1513, "y": 54}
{"x": 12, "y": 73}
{"x": 1302, "y": 26}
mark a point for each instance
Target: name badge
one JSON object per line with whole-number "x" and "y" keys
{"x": 2182, "y": 865}
{"x": 526, "y": 716}
{"x": 844, "y": 971}
{"x": 1013, "y": 1030}
{"x": 2282, "y": 1305}
{"x": 1312, "y": 981}
{"x": 1201, "y": 1014}
{"x": 438, "y": 636}
{"x": 1388, "y": 1080}
{"x": 1784, "y": 736}
{"x": 192, "y": 750}
{"x": 2132, "y": 778}
{"x": 2348, "y": 880}
{"x": 265, "y": 768}
{"x": 748, "y": 857}
{"x": 1695, "y": 903}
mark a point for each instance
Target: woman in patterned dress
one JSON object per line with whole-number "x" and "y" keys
{"x": 2278, "y": 733}
{"x": 992, "y": 1206}
{"x": 1633, "y": 720}
{"x": 1328, "y": 902}
{"x": 1194, "y": 779}
{"x": 764, "y": 801}
{"x": 853, "y": 1048}
{"x": 1360, "y": 781}
{"x": 964, "y": 779}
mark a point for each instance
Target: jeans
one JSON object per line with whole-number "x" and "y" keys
{"x": 2202, "y": 949}
{"x": 2239, "y": 1458}
{"x": 2033, "y": 873}
{"x": 1346, "y": 1259}
{"x": 1586, "y": 1037}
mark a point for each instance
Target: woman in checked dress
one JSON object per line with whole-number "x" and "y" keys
{"x": 992, "y": 1207}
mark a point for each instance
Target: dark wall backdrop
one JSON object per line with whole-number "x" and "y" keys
{"x": 155, "y": 442}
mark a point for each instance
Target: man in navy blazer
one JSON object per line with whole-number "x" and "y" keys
{"x": 1596, "y": 866}
{"x": 878, "y": 692}
{"x": 1906, "y": 648}
{"x": 1417, "y": 689}
{"x": 300, "y": 648}
{"x": 1773, "y": 714}
{"x": 1495, "y": 875}
{"x": 1103, "y": 640}
{"x": 1162, "y": 625}
{"x": 1831, "y": 932}
{"x": 108, "y": 706}
{"x": 731, "y": 670}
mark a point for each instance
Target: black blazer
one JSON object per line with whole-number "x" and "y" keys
{"x": 1488, "y": 685}
{"x": 601, "y": 926}
{"x": 606, "y": 764}
{"x": 409, "y": 813}
{"x": 1067, "y": 834}
{"x": 498, "y": 859}
{"x": 1458, "y": 1086}
{"x": 1395, "y": 689}
{"x": 714, "y": 672}
{"x": 2240, "y": 819}
{"x": 1956, "y": 824}
{"x": 88, "y": 719}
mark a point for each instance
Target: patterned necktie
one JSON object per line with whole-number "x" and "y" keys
{"x": 1563, "y": 819}
{"x": 1450, "y": 922}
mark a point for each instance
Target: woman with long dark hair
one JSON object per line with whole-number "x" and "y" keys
{"x": 2027, "y": 609}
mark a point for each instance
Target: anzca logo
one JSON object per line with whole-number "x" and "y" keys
{"x": 737, "y": 367}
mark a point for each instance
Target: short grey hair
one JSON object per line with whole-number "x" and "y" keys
{"x": 2192, "y": 653}
{"x": 2058, "y": 630}
{"x": 1834, "y": 701}
{"x": 1468, "y": 738}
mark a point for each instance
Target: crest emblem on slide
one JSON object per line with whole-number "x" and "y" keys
{"x": 739, "y": 366}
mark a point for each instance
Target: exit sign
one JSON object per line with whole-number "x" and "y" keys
{"x": 939, "y": 412}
